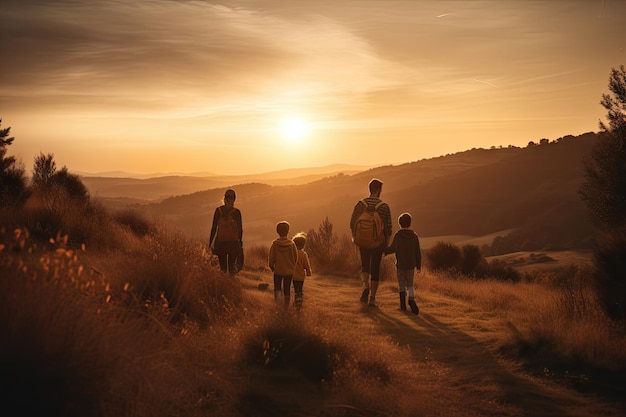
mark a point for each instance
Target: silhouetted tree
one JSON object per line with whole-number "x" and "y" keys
{"x": 72, "y": 185}
{"x": 13, "y": 184}
{"x": 44, "y": 169}
{"x": 604, "y": 192}
{"x": 609, "y": 259}
{"x": 321, "y": 243}
{"x": 57, "y": 186}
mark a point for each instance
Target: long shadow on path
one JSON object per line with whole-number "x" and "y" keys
{"x": 472, "y": 369}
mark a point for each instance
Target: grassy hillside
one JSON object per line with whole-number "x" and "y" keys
{"x": 109, "y": 314}
{"x": 145, "y": 190}
{"x": 479, "y": 192}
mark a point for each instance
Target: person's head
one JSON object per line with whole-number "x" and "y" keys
{"x": 230, "y": 196}
{"x": 375, "y": 186}
{"x": 300, "y": 240}
{"x": 282, "y": 228}
{"x": 405, "y": 220}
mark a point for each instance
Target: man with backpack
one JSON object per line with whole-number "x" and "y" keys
{"x": 371, "y": 230}
{"x": 227, "y": 232}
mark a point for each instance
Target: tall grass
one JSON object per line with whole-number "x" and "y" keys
{"x": 553, "y": 321}
{"x": 143, "y": 324}
{"x": 129, "y": 320}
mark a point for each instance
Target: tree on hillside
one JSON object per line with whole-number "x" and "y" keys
{"x": 12, "y": 176}
{"x": 57, "y": 185}
{"x": 604, "y": 192}
{"x": 44, "y": 169}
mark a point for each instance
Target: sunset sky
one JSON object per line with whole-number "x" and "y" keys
{"x": 241, "y": 87}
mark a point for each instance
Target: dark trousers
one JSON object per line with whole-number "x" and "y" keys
{"x": 297, "y": 289}
{"x": 370, "y": 261}
{"x": 284, "y": 282}
{"x": 227, "y": 252}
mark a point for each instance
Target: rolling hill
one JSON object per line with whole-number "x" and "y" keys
{"x": 119, "y": 189}
{"x": 532, "y": 191}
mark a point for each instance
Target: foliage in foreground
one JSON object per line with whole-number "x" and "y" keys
{"x": 604, "y": 192}
{"x": 87, "y": 338}
{"x": 467, "y": 260}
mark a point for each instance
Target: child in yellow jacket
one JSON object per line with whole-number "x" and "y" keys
{"x": 282, "y": 261}
{"x": 302, "y": 270}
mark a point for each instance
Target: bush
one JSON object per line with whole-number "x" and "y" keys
{"x": 330, "y": 254}
{"x": 609, "y": 259}
{"x": 136, "y": 221}
{"x": 473, "y": 262}
{"x": 257, "y": 257}
{"x": 445, "y": 256}
{"x": 500, "y": 270}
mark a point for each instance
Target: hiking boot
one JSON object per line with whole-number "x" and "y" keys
{"x": 414, "y": 309}
{"x": 372, "y": 302}
{"x": 402, "y": 301}
{"x": 364, "y": 295}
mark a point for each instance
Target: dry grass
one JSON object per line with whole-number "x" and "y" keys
{"x": 150, "y": 327}
{"x": 561, "y": 325}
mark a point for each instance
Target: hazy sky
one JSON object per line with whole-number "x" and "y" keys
{"x": 185, "y": 86}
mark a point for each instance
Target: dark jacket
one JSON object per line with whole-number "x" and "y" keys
{"x": 406, "y": 246}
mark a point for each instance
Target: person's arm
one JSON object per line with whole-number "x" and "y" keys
{"x": 393, "y": 247}
{"x": 216, "y": 217}
{"x": 238, "y": 220}
{"x": 356, "y": 212}
{"x": 387, "y": 228}
{"x": 294, "y": 251}
{"x": 418, "y": 254}
{"x": 307, "y": 264}
{"x": 271, "y": 261}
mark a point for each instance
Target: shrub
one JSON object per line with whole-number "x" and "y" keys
{"x": 286, "y": 345}
{"x": 609, "y": 259}
{"x": 330, "y": 254}
{"x": 13, "y": 189}
{"x": 135, "y": 220}
{"x": 500, "y": 270}
{"x": 445, "y": 256}
{"x": 256, "y": 257}
{"x": 473, "y": 262}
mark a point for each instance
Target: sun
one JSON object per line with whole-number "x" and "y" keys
{"x": 294, "y": 129}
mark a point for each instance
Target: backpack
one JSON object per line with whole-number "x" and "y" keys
{"x": 227, "y": 230}
{"x": 368, "y": 229}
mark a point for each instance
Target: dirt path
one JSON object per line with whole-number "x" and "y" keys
{"x": 448, "y": 341}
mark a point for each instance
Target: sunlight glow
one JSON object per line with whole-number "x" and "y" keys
{"x": 294, "y": 128}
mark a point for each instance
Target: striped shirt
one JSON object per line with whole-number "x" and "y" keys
{"x": 383, "y": 210}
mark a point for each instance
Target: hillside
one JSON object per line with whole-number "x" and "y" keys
{"x": 477, "y": 192}
{"x": 119, "y": 189}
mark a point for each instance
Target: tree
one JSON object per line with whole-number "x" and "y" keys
{"x": 13, "y": 187}
{"x": 604, "y": 190}
{"x": 57, "y": 187}
{"x": 44, "y": 170}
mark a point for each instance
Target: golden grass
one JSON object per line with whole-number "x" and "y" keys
{"x": 563, "y": 324}
{"x": 150, "y": 327}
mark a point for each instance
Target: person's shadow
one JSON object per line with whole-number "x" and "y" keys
{"x": 431, "y": 340}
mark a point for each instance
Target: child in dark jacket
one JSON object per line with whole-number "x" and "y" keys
{"x": 406, "y": 246}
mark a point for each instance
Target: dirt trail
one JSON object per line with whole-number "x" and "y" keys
{"x": 451, "y": 340}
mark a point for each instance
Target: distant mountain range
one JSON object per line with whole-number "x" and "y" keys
{"x": 529, "y": 193}
{"x": 140, "y": 188}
